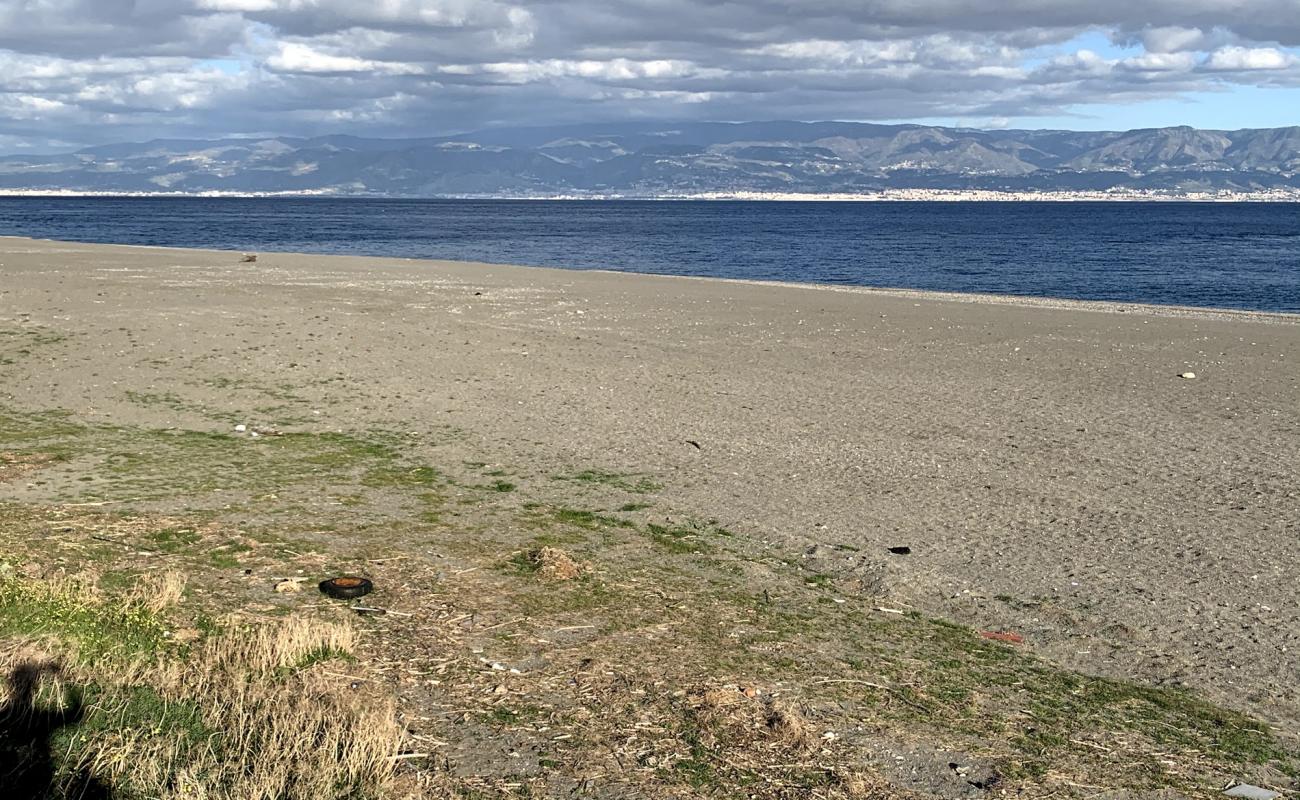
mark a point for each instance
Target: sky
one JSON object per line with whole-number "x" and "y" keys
{"x": 82, "y": 72}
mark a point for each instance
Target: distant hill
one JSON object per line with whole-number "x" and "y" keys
{"x": 648, "y": 160}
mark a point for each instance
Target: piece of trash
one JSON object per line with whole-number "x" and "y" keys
{"x": 254, "y": 434}
{"x": 248, "y": 258}
{"x": 240, "y": 428}
{"x": 1251, "y": 792}
{"x": 890, "y": 610}
{"x": 1003, "y": 636}
{"x": 289, "y": 585}
{"x": 694, "y": 444}
{"x": 901, "y": 551}
{"x": 1187, "y": 375}
{"x": 346, "y": 587}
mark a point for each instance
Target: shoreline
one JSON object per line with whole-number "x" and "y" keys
{"x": 1032, "y": 301}
{"x": 884, "y": 196}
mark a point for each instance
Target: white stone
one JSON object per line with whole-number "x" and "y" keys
{"x": 1188, "y": 375}
{"x": 240, "y": 428}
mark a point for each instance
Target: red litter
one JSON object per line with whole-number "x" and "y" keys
{"x": 1002, "y": 636}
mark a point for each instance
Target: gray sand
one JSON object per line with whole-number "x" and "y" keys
{"x": 1044, "y": 462}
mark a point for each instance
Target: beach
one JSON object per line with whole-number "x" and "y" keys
{"x": 1036, "y": 468}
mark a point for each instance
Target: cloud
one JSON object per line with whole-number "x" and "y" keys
{"x": 298, "y": 57}
{"x": 1237, "y": 59}
{"x": 87, "y": 71}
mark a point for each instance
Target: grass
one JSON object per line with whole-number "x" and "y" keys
{"x": 685, "y": 538}
{"x": 242, "y": 713}
{"x": 18, "y": 343}
{"x": 60, "y": 607}
{"x": 173, "y": 540}
{"x": 626, "y": 481}
{"x": 143, "y": 464}
{"x": 590, "y": 520}
{"x": 400, "y": 476}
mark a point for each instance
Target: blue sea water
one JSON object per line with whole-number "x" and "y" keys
{"x": 1244, "y": 256}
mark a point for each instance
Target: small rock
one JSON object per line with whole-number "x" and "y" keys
{"x": 240, "y": 428}
{"x": 1187, "y": 375}
{"x": 288, "y": 586}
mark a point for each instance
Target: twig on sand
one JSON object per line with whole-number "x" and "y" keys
{"x": 127, "y": 545}
{"x": 503, "y": 624}
{"x": 860, "y": 683}
{"x": 99, "y": 503}
{"x": 378, "y": 610}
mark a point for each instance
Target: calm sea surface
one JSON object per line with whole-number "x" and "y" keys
{"x": 1226, "y": 255}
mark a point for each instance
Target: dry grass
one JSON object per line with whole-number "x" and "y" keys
{"x": 554, "y": 564}
{"x": 247, "y": 714}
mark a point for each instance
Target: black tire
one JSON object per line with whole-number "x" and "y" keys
{"x": 346, "y": 587}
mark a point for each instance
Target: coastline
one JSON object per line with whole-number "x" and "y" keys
{"x": 1046, "y": 468}
{"x": 884, "y": 196}
{"x": 1098, "y": 306}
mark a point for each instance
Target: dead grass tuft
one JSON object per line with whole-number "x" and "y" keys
{"x": 787, "y": 724}
{"x": 741, "y": 716}
{"x": 157, "y": 593}
{"x": 247, "y": 713}
{"x": 554, "y": 564}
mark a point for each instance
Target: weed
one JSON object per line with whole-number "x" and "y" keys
{"x": 628, "y": 482}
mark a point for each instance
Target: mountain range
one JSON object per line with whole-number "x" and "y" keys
{"x": 663, "y": 160}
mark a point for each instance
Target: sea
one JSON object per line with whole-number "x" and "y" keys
{"x": 1217, "y": 255}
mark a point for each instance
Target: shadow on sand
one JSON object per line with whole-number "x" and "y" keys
{"x": 26, "y": 732}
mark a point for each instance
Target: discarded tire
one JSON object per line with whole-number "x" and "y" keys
{"x": 346, "y": 587}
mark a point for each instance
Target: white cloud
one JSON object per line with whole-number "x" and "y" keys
{"x": 1172, "y": 39}
{"x": 1161, "y": 62}
{"x": 297, "y": 57}
{"x": 1251, "y": 58}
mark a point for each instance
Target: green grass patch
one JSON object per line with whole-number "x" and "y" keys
{"x": 688, "y": 538}
{"x": 143, "y": 464}
{"x": 401, "y": 476}
{"x": 172, "y": 540}
{"x": 636, "y": 483}
{"x": 66, "y": 610}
